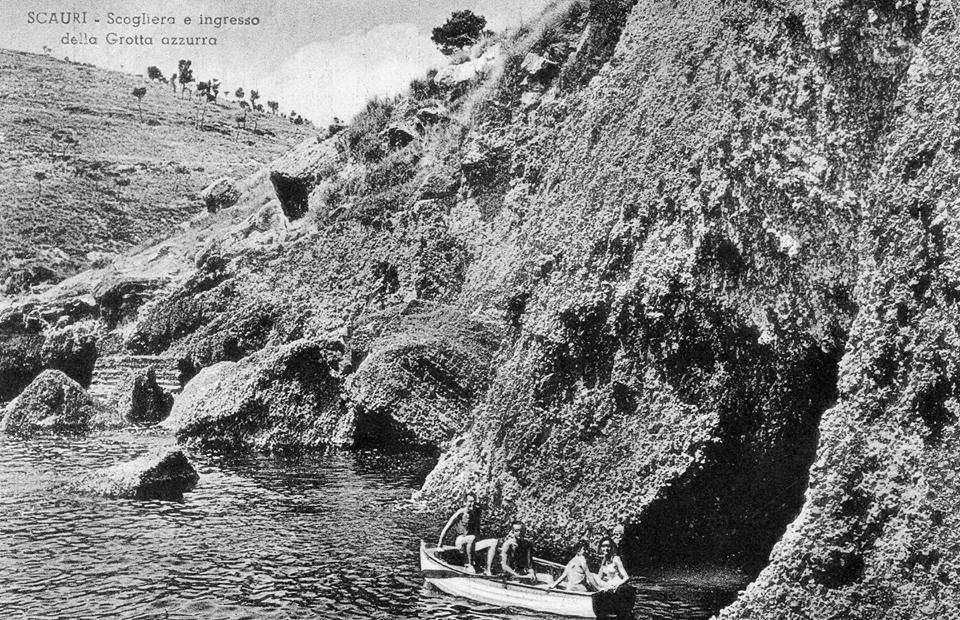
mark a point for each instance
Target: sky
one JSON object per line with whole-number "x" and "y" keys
{"x": 322, "y": 58}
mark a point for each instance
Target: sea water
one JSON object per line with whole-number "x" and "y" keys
{"x": 320, "y": 536}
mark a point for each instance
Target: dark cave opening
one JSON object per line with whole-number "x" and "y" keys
{"x": 730, "y": 512}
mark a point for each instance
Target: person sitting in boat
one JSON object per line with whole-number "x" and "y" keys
{"x": 576, "y": 573}
{"x": 467, "y": 522}
{"x": 516, "y": 553}
{"x": 611, "y": 573}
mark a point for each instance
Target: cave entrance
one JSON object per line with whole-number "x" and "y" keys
{"x": 724, "y": 519}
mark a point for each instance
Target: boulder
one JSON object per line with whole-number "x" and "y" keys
{"x": 142, "y": 400}
{"x": 453, "y": 76}
{"x": 529, "y": 100}
{"x": 417, "y": 388}
{"x": 398, "y": 135}
{"x": 164, "y": 473}
{"x": 119, "y": 297}
{"x": 53, "y": 403}
{"x": 279, "y": 398}
{"x": 539, "y": 68}
{"x": 220, "y": 194}
{"x": 440, "y": 183}
{"x": 431, "y": 115}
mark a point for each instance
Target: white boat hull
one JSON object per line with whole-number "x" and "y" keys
{"x": 502, "y": 593}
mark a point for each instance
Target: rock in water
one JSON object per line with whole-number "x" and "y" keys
{"x": 142, "y": 400}
{"x": 53, "y": 403}
{"x": 164, "y": 474}
{"x": 280, "y": 398}
{"x": 220, "y": 194}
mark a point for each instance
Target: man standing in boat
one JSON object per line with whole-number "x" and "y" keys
{"x": 467, "y": 522}
{"x": 516, "y": 554}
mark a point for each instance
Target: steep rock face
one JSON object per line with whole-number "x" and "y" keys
{"x": 680, "y": 311}
{"x": 164, "y": 474}
{"x": 878, "y": 535}
{"x": 53, "y": 403}
{"x": 276, "y": 399}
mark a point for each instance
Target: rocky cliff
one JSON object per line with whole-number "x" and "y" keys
{"x": 683, "y": 268}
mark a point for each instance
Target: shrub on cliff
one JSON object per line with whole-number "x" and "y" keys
{"x": 363, "y": 135}
{"x": 461, "y": 29}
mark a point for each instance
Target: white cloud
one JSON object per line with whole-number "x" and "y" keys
{"x": 336, "y": 78}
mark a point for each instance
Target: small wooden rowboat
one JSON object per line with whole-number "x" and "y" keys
{"x": 498, "y": 591}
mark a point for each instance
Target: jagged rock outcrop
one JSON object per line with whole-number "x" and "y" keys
{"x": 21, "y": 353}
{"x": 221, "y": 194}
{"x": 295, "y": 175}
{"x": 53, "y": 404}
{"x": 279, "y": 398}
{"x": 119, "y": 297}
{"x": 161, "y": 474}
{"x": 142, "y": 400}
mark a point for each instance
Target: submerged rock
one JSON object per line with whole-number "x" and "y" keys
{"x": 164, "y": 474}
{"x": 281, "y": 397}
{"x": 53, "y": 403}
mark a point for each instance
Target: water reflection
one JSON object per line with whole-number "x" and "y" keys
{"x": 260, "y": 537}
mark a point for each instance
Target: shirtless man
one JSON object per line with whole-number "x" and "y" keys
{"x": 516, "y": 553}
{"x": 467, "y": 523}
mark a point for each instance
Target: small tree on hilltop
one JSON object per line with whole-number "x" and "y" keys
{"x": 245, "y": 107}
{"x": 184, "y": 74}
{"x": 273, "y": 105}
{"x": 173, "y": 82}
{"x": 463, "y": 28}
{"x": 139, "y": 93}
{"x": 239, "y": 94}
{"x": 254, "y": 95}
{"x": 40, "y": 177}
{"x": 203, "y": 90}
{"x": 154, "y": 73}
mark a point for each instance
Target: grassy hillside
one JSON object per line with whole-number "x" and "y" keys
{"x": 112, "y": 181}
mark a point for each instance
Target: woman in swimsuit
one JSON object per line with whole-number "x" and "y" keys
{"x": 611, "y": 573}
{"x": 577, "y": 573}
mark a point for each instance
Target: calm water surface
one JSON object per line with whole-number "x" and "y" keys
{"x": 314, "y": 537}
